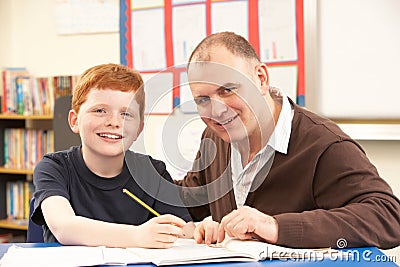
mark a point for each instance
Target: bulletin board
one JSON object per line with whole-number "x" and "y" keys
{"x": 158, "y": 36}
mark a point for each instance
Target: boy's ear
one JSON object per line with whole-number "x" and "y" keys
{"x": 73, "y": 121}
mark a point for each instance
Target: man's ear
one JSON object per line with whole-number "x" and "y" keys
{"x": 73, "y": 121}
{"x": 263, "y": 77}
{"x": 141, "y": 127}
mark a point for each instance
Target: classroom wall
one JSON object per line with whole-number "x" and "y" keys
{"x": 358, "y": 58}
{"x": 28, "y": 38}
{"x": 384, "y": 154}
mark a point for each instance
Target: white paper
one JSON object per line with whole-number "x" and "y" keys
{"x": 187, "y": 31}
{"x": 159, "y": 93}
{"x": 173, "y": 139}
{"x": 142, "y": 4}
{"x": 277, "y": 26}
{"x": 285, "y": 78}
{"x": 52, "y": 256}
{"x": 177, "y": 2}
{"x": 184, "y": 251}
{"x": 148, "y": 39}
{"x": 230, "y": 16}
{"x": 86, "y": 16}
{"x": 187, "y": 104}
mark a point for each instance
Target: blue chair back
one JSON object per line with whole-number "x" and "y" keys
{"x": 35, "y": 232}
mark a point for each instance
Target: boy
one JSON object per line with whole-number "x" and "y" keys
{"x": 78, "y": 192}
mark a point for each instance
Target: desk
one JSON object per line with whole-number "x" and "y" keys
{"x": 370, "y": 256}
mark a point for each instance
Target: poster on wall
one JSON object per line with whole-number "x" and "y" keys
{"x": 160, "y": 35}
{"x": 86, "y": 16}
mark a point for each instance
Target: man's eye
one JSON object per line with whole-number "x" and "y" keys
{"x": 228, "y": 90}
{"x": 99, "y": 110}
{"x": 201, "y": 100}
{"x": 127, "y": 115}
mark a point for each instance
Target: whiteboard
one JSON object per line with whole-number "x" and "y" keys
{"x": 358, "y": 59}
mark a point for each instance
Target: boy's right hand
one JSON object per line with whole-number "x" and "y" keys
{"x": 206, "y": 231}
{"x": 160, "y": 232}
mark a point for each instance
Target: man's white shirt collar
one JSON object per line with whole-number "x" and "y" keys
{"x": 242, "y": 178}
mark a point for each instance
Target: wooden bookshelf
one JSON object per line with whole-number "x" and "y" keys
{"x": 37, "y": 122}
{"x": 25, "y": 117}
{"x": 15, "y": 171}
{"x": 14, "y": 224}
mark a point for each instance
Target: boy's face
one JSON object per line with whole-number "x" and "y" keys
{"x": 108, "y": 122}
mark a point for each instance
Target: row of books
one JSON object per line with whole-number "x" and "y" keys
{"x": 24, "y": 148}
{"x": 27, "y": 95}
{"x": 18, "y": 196}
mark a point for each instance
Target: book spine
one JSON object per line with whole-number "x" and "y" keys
{"x": 19, "y": 94}
{"x": 4, "y": 99}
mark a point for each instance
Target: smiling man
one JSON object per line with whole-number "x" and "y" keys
{"x": 272, "y": 170}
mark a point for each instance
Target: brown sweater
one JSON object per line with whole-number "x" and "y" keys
{"x": 322, "y": 190}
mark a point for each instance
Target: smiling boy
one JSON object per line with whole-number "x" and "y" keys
{"x": 78, "y": 192}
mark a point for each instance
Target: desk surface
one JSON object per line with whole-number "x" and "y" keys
{"x": 370, "y": 256}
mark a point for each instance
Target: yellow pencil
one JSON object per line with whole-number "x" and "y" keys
{"x": 138, "y": 200}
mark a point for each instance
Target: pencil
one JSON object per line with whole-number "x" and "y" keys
{"x": 138, "y": 200}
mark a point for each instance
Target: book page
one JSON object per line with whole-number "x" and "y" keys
{"x": 117, "y": 256}
{"x": 262, "y": 250}
{"x": 68, "y": 256}
{"x": 52, "y": 256}
{"x": 186, "y": 251}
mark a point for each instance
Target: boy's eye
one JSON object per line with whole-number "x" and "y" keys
{"x": 99, "y": 110}
{"x": 201, "y": 100}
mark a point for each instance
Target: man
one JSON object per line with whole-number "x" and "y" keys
{"x": 269, "y": 169}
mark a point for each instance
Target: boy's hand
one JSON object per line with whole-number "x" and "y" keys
{"x": 160, "y": 232}
{"x": 206, "y": 231}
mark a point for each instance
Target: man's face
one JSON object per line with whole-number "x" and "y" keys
{"x": 227, "y": 91}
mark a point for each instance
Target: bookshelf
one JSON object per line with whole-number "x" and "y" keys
{"x": 14, "y": 224}
{"x": 12, "y": 173}
{"x": 26, "y": 134}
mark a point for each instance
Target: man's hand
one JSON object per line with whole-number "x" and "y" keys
{"x": 246, "y": 223}
{"x": 206, "y": 231}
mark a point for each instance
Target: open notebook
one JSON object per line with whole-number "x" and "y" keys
{"x": 184, "y": 251}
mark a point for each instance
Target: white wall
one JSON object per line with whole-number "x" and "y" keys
{"x": 358, "y": 58}
{"x": 31, "y": 41}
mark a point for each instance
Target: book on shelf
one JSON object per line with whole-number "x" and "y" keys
{"x": 9, "y": 76}
{"x": 184, "y": 251}
{"x": 6, "y": 238}
{"x": 24, "y": 148}
{"x": 18, "y": 196}
{"x": 24, "y": 94}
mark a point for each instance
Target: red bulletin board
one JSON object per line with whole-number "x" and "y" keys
{"x": 155, "y": 22}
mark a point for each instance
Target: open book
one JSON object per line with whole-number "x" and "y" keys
{"x": 184, "y": 251}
